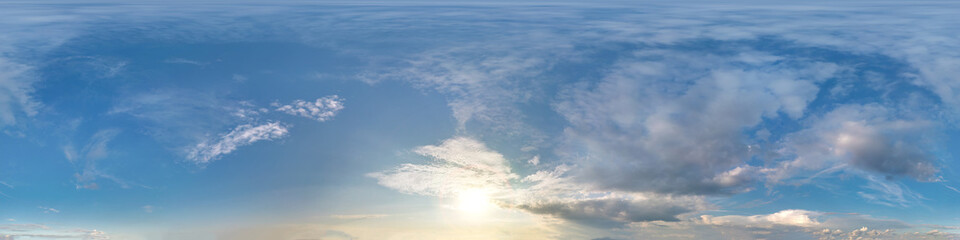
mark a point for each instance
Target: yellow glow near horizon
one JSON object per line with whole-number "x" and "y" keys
{"x": 474, "y": 201}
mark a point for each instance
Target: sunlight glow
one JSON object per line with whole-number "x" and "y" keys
{"x": 474, "y": 201}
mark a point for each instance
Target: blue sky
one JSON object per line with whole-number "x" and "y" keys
{"x": 470, "y": 120}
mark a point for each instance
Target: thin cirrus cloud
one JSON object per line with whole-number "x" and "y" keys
{"x": 48, "y": 209}
{"x": 322, "y": 109}
{"x": 162, "y": 112}
{"x": 242, "y": 135}
{"x": 87, "y": 161}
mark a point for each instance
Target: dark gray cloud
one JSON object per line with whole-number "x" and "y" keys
{"x": 609, "y": 212}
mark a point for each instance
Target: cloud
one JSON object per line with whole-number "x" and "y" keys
{"x": 322, "y": 109}
{"x": 786, "y": 224}
{"x": 459, "y": 164}
{"x": 242, "y": 135}
{"x": 790, "y": 217}
{"x": 185, "y": 61}
{"x": 609, "y": 211}
{"x": 868, "y": 137}
{"x": 890, "y": 193}
{"x": 673, "y": 121}
{"x": 462, "y": 164}
{"x": 40, "y": 231}
{"x": 5, "y": 184}
{"x": 186, "y": 119}
{"x": 179, "y": 116}
{"x": 662, "y": 121}
{"x": 16, "y": 88}
{"x": 48, "y": 209}
{"x": 487, "y": 83}
{"x": 87, "y": 160}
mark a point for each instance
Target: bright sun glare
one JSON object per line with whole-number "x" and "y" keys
{"x": 474, "y": 201}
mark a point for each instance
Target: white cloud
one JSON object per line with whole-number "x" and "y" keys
{"x": 16, "y": 88}
{"x": 242, "y": 135}
{"x": 869, "y": 139}
{"x": 665, "y": 140}
{"x": 179, "y": 116}
{"x": 322, "y": 109}
{"x": 48, "y": 209}
{"x": 787, "y": 224}
{"x": 462, "y": 164}
{"x": 790, "y": 217}
{"x": 676, "y": 124}
{"x": 185, "y": 61}
{"x": 87, "y": 161}
{"x": 40, "y": 231}
{"x": 459, "y": 164}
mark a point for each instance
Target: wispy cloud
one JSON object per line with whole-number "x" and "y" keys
{"x": 242, "y": 135}
{"x": 48, "y": 209}
{"x": 148, "y": 208}
{"x": 322, "y": 109}
{"x": 185, "y": 61}
{"x": 87, "y": 161}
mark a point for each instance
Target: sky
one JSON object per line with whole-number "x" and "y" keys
{"x": 479, "y": 120}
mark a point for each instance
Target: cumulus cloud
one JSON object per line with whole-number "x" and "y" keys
{"x": 701, "y": 103}
{"x": 322, "y": 109}
{"x": 463, "y": 164}
{"x": 676, "y": 124}
{"x": 790, "y": 217}
{"x": 787, "y": 224}
{"x": 867, "y": 137}
{"x": 242, "y": 135}
{"x": 666, "y": 121}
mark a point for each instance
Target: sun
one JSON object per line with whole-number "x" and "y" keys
{"x": 474, "y": 201}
